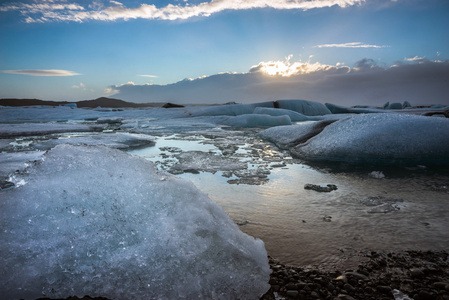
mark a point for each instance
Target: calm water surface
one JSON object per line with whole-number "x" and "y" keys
{"x": 406, "y": 209}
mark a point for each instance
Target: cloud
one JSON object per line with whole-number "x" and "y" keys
{"x": 287, "y": 68}
{"x": 150, "y": 76}
{"x": 113, "y": 10}
{"x": 80, "y": 86}
{"x": 423, "y": 82}
{"x": 416, "y": 58}
{"x": 349, "y": 45}
{"x": 51, "y": 72}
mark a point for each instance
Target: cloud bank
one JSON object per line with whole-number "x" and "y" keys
{"x": 54, "y": 10}
{"x": 51, "y": 72}
{"x": 423, "y": 82}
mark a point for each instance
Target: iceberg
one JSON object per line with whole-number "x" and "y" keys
{"x": 90, "y": 220}
{"x": 338, "y": 109}
{"x": 119, "y": 140}
{"x": 288, "y": 136}
{"x": 227, "y": 110}
{"x": 380, "y": 138}
{"x": 254, "y": 120}
{"x": 305, "y": 107}
{"x": 294, "y": 116}
{"x": 28, "y": 129}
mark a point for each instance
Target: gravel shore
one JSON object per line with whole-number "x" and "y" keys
{"x": 417, "y": 275}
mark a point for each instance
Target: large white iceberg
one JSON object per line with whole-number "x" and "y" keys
{"x": 89, "y": 220}
{"x": 386, "y": 138}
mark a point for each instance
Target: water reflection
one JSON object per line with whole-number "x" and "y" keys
{"x": 303, "y": 227}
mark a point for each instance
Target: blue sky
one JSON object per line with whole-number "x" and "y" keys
{"x": 167, "y": 50}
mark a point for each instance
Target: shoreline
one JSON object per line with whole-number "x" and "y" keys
{"x": 381, "y": 275}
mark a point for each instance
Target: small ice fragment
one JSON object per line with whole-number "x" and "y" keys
{"x": 377, "y": 174}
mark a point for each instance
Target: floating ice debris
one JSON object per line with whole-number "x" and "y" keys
{"x": 204, "y": 161}
{"x": 94, "y": 220}
{"x": 380, "y": 204}
{"x": 110, "y": 120}
{"x": 118, "y": 140}
{"x": 380, "y": 138}
{"x": 377, "y": 174}
{"x": 12, "y": 130}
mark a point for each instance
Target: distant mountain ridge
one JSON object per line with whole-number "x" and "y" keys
{"x": 102, "y": 101}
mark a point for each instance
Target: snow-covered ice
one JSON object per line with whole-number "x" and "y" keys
{"x": 94, "y": 220}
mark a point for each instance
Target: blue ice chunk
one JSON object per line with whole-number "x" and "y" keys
{"x": 305, "y": 107}
{"x": 294, "y": 116}
{"x": 228, "y": 110}
{"x": 338, "y": 109}
{"x": 395, "y": 105}
{"x": 254, "y": 120}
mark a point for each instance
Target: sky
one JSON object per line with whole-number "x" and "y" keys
{"x": 345, "y": 52}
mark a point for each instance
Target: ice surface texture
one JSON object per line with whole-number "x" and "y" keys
{"x": 96, "y": 221}
{"x": 294, "y": 116}
{"x": 255, "y": 120}
{"x": 386, "y": 138}
{"x": 286, "y": 137}
{"x": 12, "y": 130}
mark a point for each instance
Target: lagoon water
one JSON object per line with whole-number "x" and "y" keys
{"x": 374, "y": 207}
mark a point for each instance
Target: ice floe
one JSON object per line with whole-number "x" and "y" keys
{"x": 28, "y": 129}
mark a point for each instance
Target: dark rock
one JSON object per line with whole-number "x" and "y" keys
{"x": 292, "y": 293}
{"x": 322, "y": 189}
{"x": 349, "y": 288}
{"x": 416, "y": 273}
{"x": 441, "y": 285}
{"x": 424, "y": 295}
{"x": 384, "y": 289}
